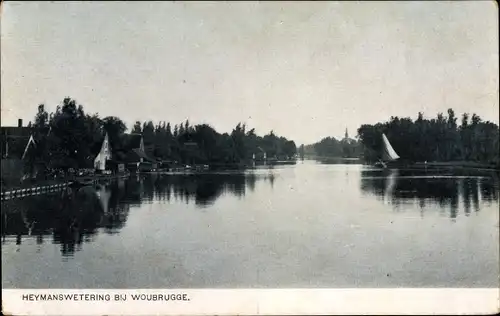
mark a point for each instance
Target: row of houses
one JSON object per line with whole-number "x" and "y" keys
{"x": 20, "y": 154}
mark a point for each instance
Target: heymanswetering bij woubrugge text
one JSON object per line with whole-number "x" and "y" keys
{"x": 106, "y": 297}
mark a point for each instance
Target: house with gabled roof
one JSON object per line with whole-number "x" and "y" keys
{"x": 14, "y": 140}
{"x": 103, "y": 156}
{"x": 19, "y": 153}
{"x": 136, "y": 158}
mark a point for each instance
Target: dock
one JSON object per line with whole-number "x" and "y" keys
{"x": 37, "y": 190}
{"x": 51, "y": 188}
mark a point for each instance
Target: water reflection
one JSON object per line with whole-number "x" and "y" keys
{"x": 74, "y": 217}
{"x": 67, "y": 218}
{"x": 446, "y": 190}
{"x": 201, "y": 189}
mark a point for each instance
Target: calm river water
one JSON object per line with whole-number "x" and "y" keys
{"x": 304, "y": 225}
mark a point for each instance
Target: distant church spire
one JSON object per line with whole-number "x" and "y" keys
{"x": 346, "y": 134}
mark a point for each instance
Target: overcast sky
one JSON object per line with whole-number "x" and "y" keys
{"x": 306, "y": 70}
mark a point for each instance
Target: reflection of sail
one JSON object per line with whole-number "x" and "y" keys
{"x": 391, "y": 185}
{"x": 271, "y": 179}
{"x": 388, "y": 153}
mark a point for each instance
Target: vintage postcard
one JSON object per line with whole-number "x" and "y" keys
{"x": 249, "y": 158}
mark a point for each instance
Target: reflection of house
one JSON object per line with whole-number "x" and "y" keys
{"x": 103, "y": 156}
{"x": 136, "y": 158}
{"x": 104, "y": 195}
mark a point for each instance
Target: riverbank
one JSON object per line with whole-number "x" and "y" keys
{"x": 457, "y": 164}
{"x": 241, "y": 166}
{"x": 402, "y": 164}
{"x": 53, "y": 185}
{"x": 314, "y": 157}
{"x": 447, "y": 168}
{"x": 196, "y": 172}
{"x": 444, "y": 165}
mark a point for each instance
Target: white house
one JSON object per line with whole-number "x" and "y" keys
{"x": 103, "y": 155}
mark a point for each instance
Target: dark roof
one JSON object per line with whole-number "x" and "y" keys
{"x": 132, "y": 141}
{"x": 13, "y": 147}
{"x": 16, "y": 131}
{"x": 133, "y": 149}
{"x": 143, "y": 155}
{"x": 19, "y": 136}
{"x": 136, "y": 154}
{"x": 24, "y": 131}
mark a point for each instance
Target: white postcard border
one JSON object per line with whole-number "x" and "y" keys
{"x": 255, "y": 302}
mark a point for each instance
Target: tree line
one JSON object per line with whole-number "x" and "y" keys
{"x": 70, "y": 138}
{"x": 437, "y": 139}
{"x": 331, "y": 147}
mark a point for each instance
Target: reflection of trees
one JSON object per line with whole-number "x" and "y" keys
{"x": 251, "y": 180}
{"x": 442, "y": 191}
{"x": 72, "y": 218}
{"x": 133, "y": 190}
{"x": 469, "y": 193}
{"x": 374, "y": 182}
{"x": 203, "y": 189}
{"x": 489, "y": 191}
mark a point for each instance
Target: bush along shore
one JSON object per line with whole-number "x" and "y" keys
{"x": 437, "y": 141}
{"x": 428, "y": 142}
{"x": 69, "y": 139}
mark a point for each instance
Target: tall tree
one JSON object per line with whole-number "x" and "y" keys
{"x": 148, "y": 134}
{"x": 137, "y": 129}
{"x": 73, "y": 136}
{"x": 41, "y": 118}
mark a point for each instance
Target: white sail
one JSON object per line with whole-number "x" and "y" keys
{"x": 388, "y": 153}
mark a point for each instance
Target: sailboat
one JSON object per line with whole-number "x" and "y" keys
{"x": 388, "y": 153}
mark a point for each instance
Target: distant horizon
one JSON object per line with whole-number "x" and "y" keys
{"x": 305, "y": 70}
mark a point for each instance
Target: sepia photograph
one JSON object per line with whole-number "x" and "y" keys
{"x": 168, "y": 145}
